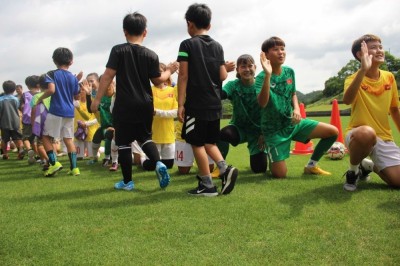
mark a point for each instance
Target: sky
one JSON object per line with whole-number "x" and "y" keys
{"x": 318, "y": 33}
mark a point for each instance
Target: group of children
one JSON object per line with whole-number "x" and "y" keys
{"x": 266, "y": 113}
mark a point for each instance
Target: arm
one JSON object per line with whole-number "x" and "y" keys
{"x": 263, "y": 96}
{"x": 105, "y": 82}
{"x": 166, "y": 113}
{"x": 51, "y": 89}
{"x": 296, "y": 116}
{"x": 395, "y": 113}
{"x": 182, "y": 84}
{"x": 366, "y": 61}
{"x": 171, "y": 68}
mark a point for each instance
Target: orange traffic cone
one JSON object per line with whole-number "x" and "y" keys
{"x": 301, "y": 148}
{"x": 335, "y": 120}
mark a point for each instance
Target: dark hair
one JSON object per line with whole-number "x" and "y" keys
{"x": 200, "y": 15}
{"x": 62, "y": 56}
{"x": 32, "y": 81}
{"x": 356, "y": 47}
{"x": 42, "y": 81}
{"x": 18, "y": 86}
{"x": 134, "y": 23}
{"x": 244, "y": 59}
{"x": 9, "y": 86}
{"x": 93, "y": 74}
{"x": 272, "y": 42}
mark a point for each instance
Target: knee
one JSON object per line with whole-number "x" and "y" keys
{"x": 365, "y": 135}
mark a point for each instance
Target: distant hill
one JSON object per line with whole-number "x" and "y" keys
{"x": 309, "y": 98}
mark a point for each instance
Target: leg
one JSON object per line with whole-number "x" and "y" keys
{"x": 258, "y": 162}
{"x": 279, "y": 169}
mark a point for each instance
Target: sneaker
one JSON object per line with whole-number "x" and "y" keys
{"x": 215, "y": 173}
{"x": 315, "y": 171}
{"x": 351, "y": 181}
{"x": 162, "y": 174}
{"x": 74, "y": 172}
{"x": 204, "y": 191}
{"x": 31, "y": 157}
{"x": 6, "y": 157}
{"x": 364, "y": 174}
{"x": 45, "y": 167}
{"x": 53, "y": 169}
{"x": 114, "y": 167}
{"x": 105, "y": 162}
{"x": 21, "y": 155}
{"x": 228, "y": 179}
{"x": 93, "y": 161}
{"x": 121, "y": 185}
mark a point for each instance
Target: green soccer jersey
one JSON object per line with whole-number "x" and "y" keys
{"x": 105, "y": 114}
{"x": 277, "y": 115}
{"x": 246, "y": 111}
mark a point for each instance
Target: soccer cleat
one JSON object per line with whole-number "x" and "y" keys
{"x": 121, "y": 185}
{"x": 21, "y": 155}
{"x": 5, "y": 157}
{"x": 315, "y": 171}
{"x": 114, "y": 167}
{"x": 53, "y": 169}
{"x": 105, "y": 162}
{"x": 31, "y": 157}
{"x": 228, "y": 179}
{"x": 215, "y": 173}
{"x": 74, "y": 172}
{"x": 363, "y": 174}
{"x": 204, "y": 191}
{"x": 351, "y": 181}
{"x": 162, "y": 174}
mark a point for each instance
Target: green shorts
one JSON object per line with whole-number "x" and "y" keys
{"x": 251, "y": 138}
{"x": 278, "y": 145}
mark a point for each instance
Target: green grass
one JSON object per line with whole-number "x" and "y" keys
{"x": 302, "y": 220}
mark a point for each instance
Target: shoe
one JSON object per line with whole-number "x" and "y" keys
{"x": 351, "y": 181}
{"x": 121, "y": 185}
{"x": 162, "y": 174}
{"x": 114, "y": 167}
{"x": 364, "y": 174}
{"x": 21, "y": 155}
{"x": 45, "y": 167}
{"x": 93, "y": 161}
{"x": 74, "y": 172}
{"x": 315, "y": 171}
{"x": 228, "y": 179}
{"x": 53, "y": 169}
{"x": 31, "y": 157}
{"x": 215, "y": 173}
{"x": 204, "y": 191}
{"x": 6, "y": 157}
{"x": 105, "y": 162}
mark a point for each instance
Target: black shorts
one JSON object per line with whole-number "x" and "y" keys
{"x": 8, "y": 134}
{"x": 125, "y": 133}
{"x": 199, "y": 132}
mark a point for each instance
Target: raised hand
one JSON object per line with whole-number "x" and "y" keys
{"x": 265, "y": 63}
{"x": 366, "y": 58}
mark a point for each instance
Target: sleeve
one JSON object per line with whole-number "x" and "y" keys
{"x": 113, "y": 59}
{"x": 154, "y": 66}
{"x": 227, "y": 90}
{"x": 395, "y": 93}
{"x": 183, "y": 54}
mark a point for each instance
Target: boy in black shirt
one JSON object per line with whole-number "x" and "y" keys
{"x": 201, "y": 72}
{"x": 134, "y": 66}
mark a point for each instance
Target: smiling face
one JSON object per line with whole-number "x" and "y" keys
{"x": 375, "y": 49}
{"x": 276, "y": 55}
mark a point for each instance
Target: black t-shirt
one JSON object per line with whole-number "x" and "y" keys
{"x": 203, "y": 93}
{"x": 135, "y": 66}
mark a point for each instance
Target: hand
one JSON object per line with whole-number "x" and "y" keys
{"x": 173, "y": 67}
{"x": 261, "y": 143}
{"x": 230, "y": 66}
{"x": 85, "y": 86}
{"x": 80, "y": 75}
{"x": 366, "y": 58}
{"x": 181, "y": 113}
{"x": 296, "y": 117}
{"x": 266, "y": 64}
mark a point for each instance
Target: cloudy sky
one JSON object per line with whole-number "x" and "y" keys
{"x": 318, "y": 33}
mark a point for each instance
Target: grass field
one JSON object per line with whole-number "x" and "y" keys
{"x": 301, "y": 220}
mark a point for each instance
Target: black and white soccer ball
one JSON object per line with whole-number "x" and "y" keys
{"x": 337, "y": 151}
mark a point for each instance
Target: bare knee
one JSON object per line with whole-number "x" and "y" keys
{"x": 279, "y": 170}
{"x": 364, "y": 135}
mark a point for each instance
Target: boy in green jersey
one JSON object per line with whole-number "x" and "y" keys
{"x": 281, "y": 121}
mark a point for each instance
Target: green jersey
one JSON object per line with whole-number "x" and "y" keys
{"x": 246, "y": 111}
{"x": 277, "y": 115}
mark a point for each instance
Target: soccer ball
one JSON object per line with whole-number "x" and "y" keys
{"x": 337, "y": 151}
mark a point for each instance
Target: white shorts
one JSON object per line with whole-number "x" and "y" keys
{"x": 136, "y": 148}
{"x": 166, "y": 151}
{"x": 384, "y": 154}
{"x": 59, "y": 127}
{"x": 184, "y": 154}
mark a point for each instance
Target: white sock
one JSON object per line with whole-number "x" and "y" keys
{"x": 311, "y": 163}
{"x": 354, "y": 168}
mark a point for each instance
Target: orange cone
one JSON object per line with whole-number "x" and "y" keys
{"x": 301, "y": 148}
{"x": 335, "y": 120}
